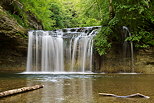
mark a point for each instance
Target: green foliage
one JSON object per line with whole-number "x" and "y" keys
{"x": 41, "y": 10}
{"x": 143, "y": 39}
{"x": 19, "y": 20}
{"x": 17, "y": 13}
{"x": 102, "y": 44}
{"x": 138, "y": 17}
{"x": 55, "y": 14}
{"x": 95, "y": 8}
{"x": 56, "y": 10}
{"x": 85, "y": 14}
{"x": 85, "y": 21}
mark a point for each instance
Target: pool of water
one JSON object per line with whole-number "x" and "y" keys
{"x": 78, "y": 88}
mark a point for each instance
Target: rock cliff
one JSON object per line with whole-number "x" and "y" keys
{"x": 13, "y": 35}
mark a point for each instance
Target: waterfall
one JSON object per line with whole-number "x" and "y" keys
{"x": 125, "y": 45}
{"x": 63, "y": 50}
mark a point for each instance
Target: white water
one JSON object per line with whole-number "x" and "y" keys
{"x": 58, "y": 51}
{"x": 128, "y": 34}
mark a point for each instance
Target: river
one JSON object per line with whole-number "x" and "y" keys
{"x": 78, "y": 88}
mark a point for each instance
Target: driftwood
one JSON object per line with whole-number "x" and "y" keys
{"x": 137, "y": 95}
{"x": 20, "y": 90}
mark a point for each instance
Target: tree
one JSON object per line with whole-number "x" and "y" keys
{"x": 136, "y": 15}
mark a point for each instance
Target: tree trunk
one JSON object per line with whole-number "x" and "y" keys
{"x": 20, "y": 90}
{"x": 111, "y": 9}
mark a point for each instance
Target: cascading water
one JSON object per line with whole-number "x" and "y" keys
{"x": 125, "y": 45}
{"x": 64, "y": 50}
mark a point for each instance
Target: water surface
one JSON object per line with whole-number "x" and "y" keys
{"x": 78, "y": 88}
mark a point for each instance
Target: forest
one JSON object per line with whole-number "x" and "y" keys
{"x": 137, "y": 15}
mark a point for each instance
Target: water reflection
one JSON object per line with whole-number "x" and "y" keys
{"x": 62, "y": 90}
{"x": 78, "y": 88}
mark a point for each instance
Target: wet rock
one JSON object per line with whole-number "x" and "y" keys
{"x": 13, "y": 40}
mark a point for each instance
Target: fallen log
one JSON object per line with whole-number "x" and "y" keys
{"x": 137, "y": 95}
{"x": 20, "y": 90}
